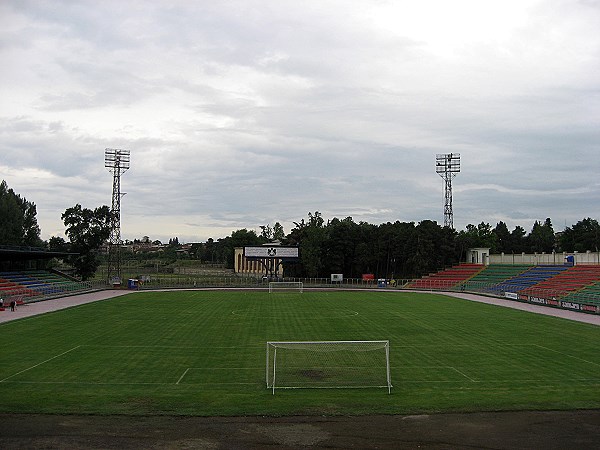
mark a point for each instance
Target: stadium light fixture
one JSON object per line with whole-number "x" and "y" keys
{"x": 117, "y": 162}
{"x": 447, "y": 166}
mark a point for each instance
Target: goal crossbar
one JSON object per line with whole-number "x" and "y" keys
{"x": 286, "y": 286}
{"x": 328, "y": 364}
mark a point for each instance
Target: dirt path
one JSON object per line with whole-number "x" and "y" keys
{"x": 548, "y": 430}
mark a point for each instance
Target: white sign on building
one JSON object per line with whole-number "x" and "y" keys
{"x": 271, "y": 252}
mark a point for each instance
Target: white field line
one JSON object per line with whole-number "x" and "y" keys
{"x": 484, "y": 383}
{"x": 466, "y": 376}
{"x": 39, "y": 364}
{"x": 254, "y": 315}
{"x": 226, "y": 368}
{"x": 456, "y": 345}
{"x": 95, "y": 383}
{"x": 442, "y": 365}
{"x": 125, "y": 383}
{"x": 438, "y": 367}
{"x": 183, "y": 375}
{"x": 586, "y": 381}
{"x": 184, "y": 347}
{"x": 218, "y": 368}
{"x": 567, "y": 355}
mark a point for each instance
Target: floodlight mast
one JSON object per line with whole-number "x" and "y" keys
{"x": 447, "y": 166}
{"x": 117, "y": 162}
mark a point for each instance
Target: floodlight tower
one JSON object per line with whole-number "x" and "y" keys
{"x": 117, "y": 162}
{"x": 447, "y": 166}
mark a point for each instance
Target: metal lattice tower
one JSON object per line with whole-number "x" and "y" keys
{"x": 117, "y": 162}
{"x": 447, "y": 166}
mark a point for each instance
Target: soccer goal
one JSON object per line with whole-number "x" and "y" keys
{"x": 328, "y": 364}
{"x": 286, "y": 286}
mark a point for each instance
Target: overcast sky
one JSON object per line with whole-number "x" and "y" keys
{"x": 244, "y": 113}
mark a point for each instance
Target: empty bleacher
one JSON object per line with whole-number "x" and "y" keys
{"x": 589, "y": 293}
{"x": 448, "y": 278}
{"x": 493, "y": 276}
{"x": 38, "y": 284}
{"x": 578, "y": 284}
{"x": 525, "y": 281}
{"x": 570, "y": 280}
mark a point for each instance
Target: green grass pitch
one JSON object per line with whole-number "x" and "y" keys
{"x": 203, "y": 353}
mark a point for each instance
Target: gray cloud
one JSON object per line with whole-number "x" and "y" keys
{"x": 243, "y": 113}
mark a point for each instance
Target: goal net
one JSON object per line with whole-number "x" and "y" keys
{"x": 285, "y": 286}
{"x": 328, "y": 364}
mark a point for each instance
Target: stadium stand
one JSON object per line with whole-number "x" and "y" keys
{"x": 572, "y": 279}
{"x": 448, "y": 278}
{"x": 579, "y": 284}
{"x": 38, "y": 284}
{"x": 529, "y": 278}
{"x": 590, "y": 292}
{"x": 23, "y": 275}
{"x": 489, "y": 278}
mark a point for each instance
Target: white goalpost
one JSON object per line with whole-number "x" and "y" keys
{"x": 286, "y": 286}
{"x": 328, "y": 364}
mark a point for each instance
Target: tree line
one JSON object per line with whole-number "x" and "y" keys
{"x": 398, "y": 249}
{"x": 403, "y": 249}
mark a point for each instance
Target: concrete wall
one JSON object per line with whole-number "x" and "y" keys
{"x": 478, "y": 256}
{"x": 544, "y": 258}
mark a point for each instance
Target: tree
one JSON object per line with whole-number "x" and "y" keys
{"x": 225, "y": 248}
{"x": 278, "y": 232}
{"x": 432, "y": 247}
{"x": 542, "y": 238}
{"x": 502, "y": 238}
{"x": 340, "y": 247}
{"x": 266, "y": 232}
{"x": 57, "y": 244}
{"x": 87, "y": 230}
{"x": 400, "y": 236}
{"x": 365, "y": 258}
{"x": 208, "y": 253}
{"x": 581, "y": 237}
{"x": 476, "y": 236}
{"x": 517, "y": 240}
{"x": 310, "y": 236}
{"x": 269, "y": 234}
{"x": 18, "y": 222}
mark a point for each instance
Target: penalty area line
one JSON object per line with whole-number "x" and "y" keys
{"x": 183, "y": 375}
{"x": 217, "y": 368}
{"x": 567, "y": 355}
{"x": 464, "y": 375}
{"x": 39, "y": 364}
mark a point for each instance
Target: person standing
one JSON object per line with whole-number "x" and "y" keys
{"x": 13, "y": 305}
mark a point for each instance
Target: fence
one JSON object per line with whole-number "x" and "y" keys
{"x": 174, "y": 281}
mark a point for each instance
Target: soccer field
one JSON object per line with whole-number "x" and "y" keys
{"x": 203, "y": 353}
